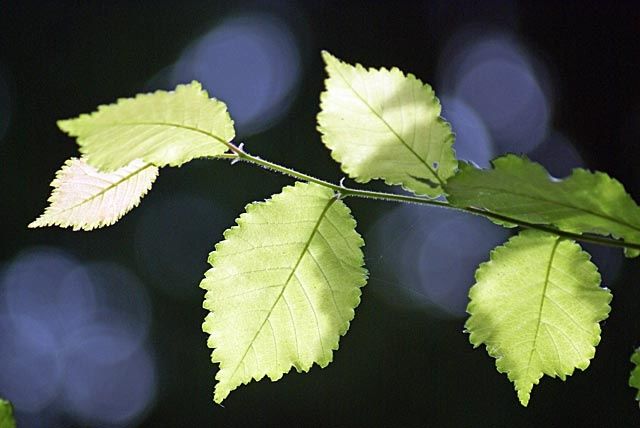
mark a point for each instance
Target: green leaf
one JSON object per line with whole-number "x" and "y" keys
{"x": 283, "y": 286}
{"x": 85, "y": 198}
{"x": 634, "y": 378}
{"x": 385, "y": 124}
{"x": 162, "y": 128}
{"x": 6, "y": 415}
{"x": 584, "y": 202}
{"x": 536, "y": 306}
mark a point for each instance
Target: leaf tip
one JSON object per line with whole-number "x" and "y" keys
{"x": 65, "y": 125}
{"x": 218, "y": 397}
{"x": 36, "y": 223}
{"x": 327, "y": 56}
{"x": 523, "y": 397}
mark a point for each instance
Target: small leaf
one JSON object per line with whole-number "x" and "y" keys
{"x": 584, "y": 202}
{"x": 536, "y": 306}
{"x": 385, "y": 124}
{"x": 634, "y": 378}
{"x": 283, "y": 286}
{"x": 6, "y": 415}
{"x": 85, "y": 198}
{"x": 162, "y": 128}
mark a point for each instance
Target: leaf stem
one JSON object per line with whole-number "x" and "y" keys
{"x": 239, "y": 154}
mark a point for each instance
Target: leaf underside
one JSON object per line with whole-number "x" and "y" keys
{"x": 583, "y": 202}
{"x": 385, "y": 124}
{"x": 536, "y": 306}
{"x": 634, "y": 378}
{"x": 161, "y": 128}
{"x": 283, "y": 286}
{"x": 85, "y": 198}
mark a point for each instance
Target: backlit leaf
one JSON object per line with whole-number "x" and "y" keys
{"x": 385, "y": 124}
{"x": 634, "y": 378}
{"x": 6, "y": 415}
{"x": 536, "y": 306}
{"x": 85, "y": 198}
{"x": 584, "y": 202}
{"x": 162, "y": 128}
{"x": 283, "y": 286}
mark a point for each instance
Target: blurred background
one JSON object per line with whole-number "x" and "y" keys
{"x": 103, "y": 329}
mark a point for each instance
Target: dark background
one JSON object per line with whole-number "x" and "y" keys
{"x": 404, "y": 363}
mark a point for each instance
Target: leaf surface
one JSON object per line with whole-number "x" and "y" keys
{"x": 536, "y": 306}
{"x": 584, "y": 202}
{"x": 162, "y": 128}
{"x": 385, "y": 124}
{"x": 634, "y": 378}
{"x": 283, "y": 286}
{"x": 85, "y": 198}
{"x": 6, "y": 415}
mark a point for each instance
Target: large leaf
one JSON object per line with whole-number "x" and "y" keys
{"x": 536, "y": 306}
{"x": 283, "y": 286}
{"x": 6, "y": 415}
{"x": 634, "y": 378}
{"x": 162, "y": 128}
{"x": 85, "y": 198}
{"x": 584, "y": 202}
{"x": 385, "y": 124}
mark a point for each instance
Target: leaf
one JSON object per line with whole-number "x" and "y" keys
{"x": 385, "y": 124}
{"x": 283, "y": 286}
{"x": 162, "y": 128}
{"x": 634, "y": 378}
{"x": 536, "y": 306}
{"x": 85, "y": 198}
{"x": 6, "y": 415}
{"x": 584, "y": 202}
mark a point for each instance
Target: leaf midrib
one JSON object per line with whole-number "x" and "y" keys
{"x": 550, "y": 201}
{"x": 167, "y": 124}
{"x": 108, "y": 188}
{"x": 542, "y": 300}
{"x": 286, "y": 283}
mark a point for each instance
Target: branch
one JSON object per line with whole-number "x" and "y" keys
{"x": 238, "y": 154}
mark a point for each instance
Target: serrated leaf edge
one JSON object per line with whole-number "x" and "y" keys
{"x": 230, "y": 232}
{"x": 336, "y": 156}
{"x": 48, "y": 217}
{"x": 494, "y": 351}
